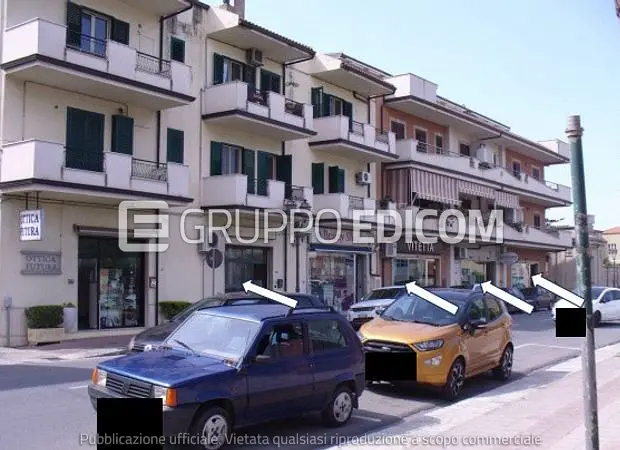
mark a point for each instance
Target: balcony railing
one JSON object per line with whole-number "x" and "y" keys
{"x": 87, "y": 44}
{"x": 149, "y": 170}
{"x": 294, "y": 108}
{"x": 258, "y": 186}
{"x": 295, "y": 193}
{"x": 257, "y": 96}
{"x": 83, "y": 159}
{"x": 382, "y": 136}
{"x": 152, "y": 64}
{"x": 357, "y": 128}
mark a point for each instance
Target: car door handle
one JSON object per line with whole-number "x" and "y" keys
{"x": 310, "y": 364}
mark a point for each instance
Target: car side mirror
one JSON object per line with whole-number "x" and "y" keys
{"x": 477, "y": 324}
{"x": 262, "y": 359}
{"x": 380, "y": 310}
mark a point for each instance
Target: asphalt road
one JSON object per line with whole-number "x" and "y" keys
{"x": 47, "y": 407}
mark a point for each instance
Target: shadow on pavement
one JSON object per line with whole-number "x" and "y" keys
{"x": 86, "y": 343}
{"x": 20, "y": 376}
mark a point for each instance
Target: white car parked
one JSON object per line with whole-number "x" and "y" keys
{"x": 605, "y": 304}
{"x": 373, "y": 304}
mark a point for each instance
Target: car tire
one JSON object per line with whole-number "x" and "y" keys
{"x": 215, "y": 422}
{"x": 596, "y": 319}
{"x": 340, "y": 408}
{"x": 504, "y": 370}
{"x": 456, "y": 379}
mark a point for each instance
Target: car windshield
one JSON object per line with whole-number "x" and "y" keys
{"x": 383, "y": 294}
{"x": 213, "y": 335}
{"x": 415, "y": 309}
{"x": 596, "y": 291}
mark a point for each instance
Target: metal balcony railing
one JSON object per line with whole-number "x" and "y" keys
{"x": 357, "y": 128}
{"x": 152, "y": 64}
{"x": 87, "y": 44}
{"x": 258, "y": 186}
{"x": 257, "y": 96}
{"x": 293, "y": 107}
{"x": 356, "y": 202}
{"x": 149, "y": 170}
{"x": 382, "y": 136}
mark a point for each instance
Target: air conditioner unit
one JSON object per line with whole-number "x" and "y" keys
{"x": 461, "y": 253}
{"x": 389, "y": 250}
{"x": 254, "y": 57}
{"x": 363, "y": 178}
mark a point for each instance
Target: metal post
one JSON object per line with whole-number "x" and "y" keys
{"x": 584, "y": 280}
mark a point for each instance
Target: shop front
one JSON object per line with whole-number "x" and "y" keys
{"x": 244, "y": 263}
{"x": 477, "y": 265}
{"x": 339, "y": 271}
{"x": 419, "y": 262}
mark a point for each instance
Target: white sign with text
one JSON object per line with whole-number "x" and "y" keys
{"x": 31, "y": 225}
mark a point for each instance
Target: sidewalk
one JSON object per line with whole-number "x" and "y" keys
{"x": 542, "y": 410}
{"x": 67, "y": 350}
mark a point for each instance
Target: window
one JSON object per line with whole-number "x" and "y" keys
{"x": 466, "y": 203}
{"x": 270, "y": 81}
{"x": 398, "y": 128}
{"x": 516, "y": 168}
{"x": 84, "y": 140}
{"x": 326, "y": 105}
{"x": 326, "y": 335}
{"x": 536, "y": 173}
{"x": 122, "y": 134}
{"x": 226, "y": 70}
{"x": 89, "y": 31}
{"x": 476, "y": 310}
{"x": 494, "y": 308}
{"x": 464, "y": 150}
{"x": 420, "y": 136}
{"x": 175, "y": 144}
{"x": 537, "y": 221}
{"x": 439, "y": 143}
{"x": 318, "y": 178}
{"x": 282, "y": 341}
{"x": 177, "y": 50}
{"x": 336, "y": 180}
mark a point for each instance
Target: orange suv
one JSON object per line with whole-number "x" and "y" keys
{"x": 450, "y": 347}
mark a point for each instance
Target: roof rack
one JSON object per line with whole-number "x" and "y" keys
{"x": 317, "y": 309}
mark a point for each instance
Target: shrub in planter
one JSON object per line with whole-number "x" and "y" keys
{"x": 45, "y": 323}
{"x": 172, "y": 308}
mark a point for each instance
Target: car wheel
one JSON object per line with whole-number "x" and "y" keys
{"x": 456, "y": 379}
{"x": 339, "y": 410}
{"x": 504, "y": 370}
{"x": 212, "y": 426}
{"x": 597, "y": 319}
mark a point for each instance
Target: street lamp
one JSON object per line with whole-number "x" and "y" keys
{"x": 613, "y": 252}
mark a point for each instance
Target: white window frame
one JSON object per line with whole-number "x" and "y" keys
{"x": 403, "y": 123}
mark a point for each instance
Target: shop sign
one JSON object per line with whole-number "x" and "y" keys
{"x": 329, "y": 236}
{"x": 31, "y": 225}
{"x": 508, "y": 258}
{"x": 41, "y": 263}
{"x": 415, "y": 247}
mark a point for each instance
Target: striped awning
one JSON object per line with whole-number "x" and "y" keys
{"x": 506, "y": 200}
{"x": 434, "y": 187}
{"x": 477, "y": 190}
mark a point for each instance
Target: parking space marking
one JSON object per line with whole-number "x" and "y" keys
{"x": 545, "y": 345}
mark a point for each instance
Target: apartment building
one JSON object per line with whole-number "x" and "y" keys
{"x": 452, "y": 157}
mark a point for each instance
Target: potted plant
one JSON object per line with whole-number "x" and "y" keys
{"x": 70, "y": 317}
{"x": 170, "y": 309}
{"x": 45, "y": 324}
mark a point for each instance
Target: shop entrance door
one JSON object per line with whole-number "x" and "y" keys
{"x": 360, "y": 277}
{"x": 246, "y": 263}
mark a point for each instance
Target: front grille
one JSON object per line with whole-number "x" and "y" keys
{"x": 363, "y": 309}
{"x": 385, "y": 346}
{"x": 128, "y": 387}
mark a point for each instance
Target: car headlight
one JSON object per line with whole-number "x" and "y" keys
{"x": 168, "y": 395}
{"x": 99, "y": 377}
{"x": 429, "y": 345}
{"x": 149, "y": 348}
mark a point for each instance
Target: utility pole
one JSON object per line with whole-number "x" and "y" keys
{"x": 584, "y": 281}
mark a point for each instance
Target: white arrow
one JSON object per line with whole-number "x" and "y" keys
{"x": 414, "y": 289}
{"x": 251, "y": 287}
{"x": 506, "y": 296}
{"x": 538, "y": 280}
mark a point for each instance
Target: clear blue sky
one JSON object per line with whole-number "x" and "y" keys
{"x": 528, "y": 63}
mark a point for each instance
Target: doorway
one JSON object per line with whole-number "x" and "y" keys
{"x": 246, "y": 263}
{"x": 360, "y": 276}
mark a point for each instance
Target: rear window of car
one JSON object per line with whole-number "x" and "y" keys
{"x": 383, "y": 294}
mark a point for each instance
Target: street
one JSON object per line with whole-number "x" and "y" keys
{"x": 47, "y": 406}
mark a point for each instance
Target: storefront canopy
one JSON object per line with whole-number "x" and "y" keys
{"x": 506, "y": 200}
{"x": 475, "y": 189}
{"x": 434, "y": 187}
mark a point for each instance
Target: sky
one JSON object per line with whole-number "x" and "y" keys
{"x": 528, "y": 64}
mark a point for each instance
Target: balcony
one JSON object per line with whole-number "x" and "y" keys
{"x": 530, "y": 236}
{"x": 45, "y": 166}
{"x": 237, "y": 190}
{"x": 343, "y": 205}
{"x": 159, "y": 7}
{"x": 355, "y": 140}
{"x": 37, "y": 51}
{"x": 237, "y": 105}
{"x": 549, "y": 193}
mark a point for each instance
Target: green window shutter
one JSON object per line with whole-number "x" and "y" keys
{"x": 333, "y": 180}
{"x": 122, "y": 134}
{"x": 249, "y": 76}
{"x": 175, "y": 145}
{"x": 284, "y": 172}
{"x": 347, "y": 110}
{"x": 270, "y": 81}
{"x": 341, "y": 180}
{"x": 315, "y": 99}
{"x": 120, "y": 31}
{"x": 264, "y": 172}
{"x": 177, "y": 50}
{"x": 74, "y": 25}
{"x": 325, "y": 104}
{"x": 84, "y": 140}
{"x": 247, "y": 168}
{"x": 218, "y": 69}
{"x": 216, "y": 158}
{"x": 318, "y": 178}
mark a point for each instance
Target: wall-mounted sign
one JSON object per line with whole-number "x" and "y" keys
{"x": 31, "y": 225}
{"x": 508, "y": 258}
{"x": 41, "y": 263}
{"x": 329, "y": 236}
{"x": 415, "y": 247}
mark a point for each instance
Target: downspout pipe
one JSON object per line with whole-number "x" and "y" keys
{"x": 158, "y": 146}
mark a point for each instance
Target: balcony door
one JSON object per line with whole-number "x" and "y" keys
{"x": 84, "y": 140}
{"x": 94, "y": 34}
